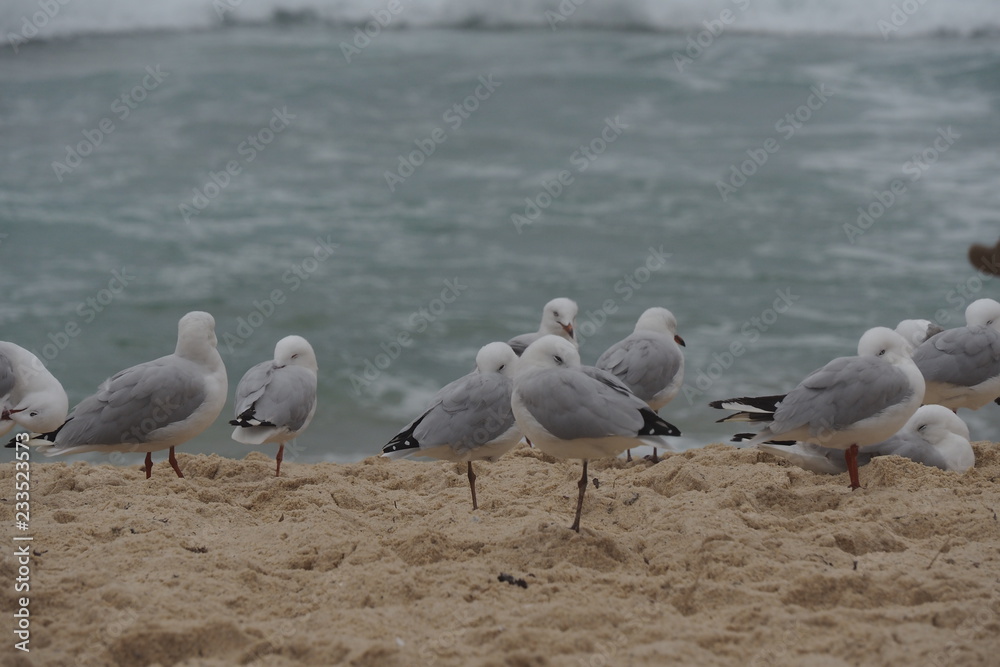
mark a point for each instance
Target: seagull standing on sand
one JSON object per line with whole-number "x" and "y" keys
{"x": 962, "y": 365}
{"x": 469, "y": 419}
{"x": 570, "y": 411}
{"x": 156, "y": 405}
{"x": 276, "y": 400}
{"x": 934, "y": 436}
{"x": 30, "y": 396}
{"x": 649, "y": 360}
{"x": 849, "y": 403}
{"x": 558, "y": 319}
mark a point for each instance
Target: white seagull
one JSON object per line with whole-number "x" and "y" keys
{"x": 917, "y": 331}
{"x": 558, "y": 318}
{"x": 649, "y": 360}
{"x": 469, "y": 419}
{"x": 849, "y": 403}
{"x": 570, "y": 411}
{"x": 276, "y": 399}
{"x": 962, "y": 365}
{"x": 152, "y": 406}
{"x": 30, "y": 396}
{"x": 934, "y": 436}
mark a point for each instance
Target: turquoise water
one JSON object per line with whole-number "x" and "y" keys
{"x": 404, "y": 204}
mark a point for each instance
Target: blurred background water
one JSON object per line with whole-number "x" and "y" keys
{"x": 299, "y": 167}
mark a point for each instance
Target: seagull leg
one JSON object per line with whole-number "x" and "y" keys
{"x": 851, "y": 456}
{"x": 628, "y": 456}
{"x": 281, "y": 452}
{"x": 655, "y": 459}
{"x": 582, "y": 485}
{"x": 173, "y": 463}
{"x": 149, "y": 464}
{"x": 472, "y": 485}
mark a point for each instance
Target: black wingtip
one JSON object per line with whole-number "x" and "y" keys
{"x": 653, "y": 424}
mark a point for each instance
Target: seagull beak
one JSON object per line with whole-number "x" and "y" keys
{"x": 568, "y": 328}
{"x": 679, "y": 341}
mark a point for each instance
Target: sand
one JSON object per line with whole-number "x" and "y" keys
{"x": 717, "y": 556}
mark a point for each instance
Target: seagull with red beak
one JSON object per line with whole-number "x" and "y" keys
{"x": 558, "y": 319}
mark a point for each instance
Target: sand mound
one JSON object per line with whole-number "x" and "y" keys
{"x": 716, "y": 556}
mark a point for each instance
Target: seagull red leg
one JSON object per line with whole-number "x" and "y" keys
{"x": 173, "y": 463}
{"x": 851, "y": 456}
{"x": 472, "y": 486}
{"x": 582, "y": 485}
{"x": 277, "y": 459}
{"x": 149, "y": 464}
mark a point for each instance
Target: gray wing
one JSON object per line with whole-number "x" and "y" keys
{"x": 965, "y": 356}
{"x": 7, "y": 378}
{"x": 287, "y": 398}
{"x": 911, "y": 446}
{"x": 467, "y": 413}
{"x": 137, "y": 401}
{"x": 643, "y": 363}
{"x": 843, "y": 392}
{"x": 252, "y": 386}
{"x": 578, "y": 403}
{"x": 520, "y": 343}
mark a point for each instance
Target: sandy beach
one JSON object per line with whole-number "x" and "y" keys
{"x": 716, "y": 556}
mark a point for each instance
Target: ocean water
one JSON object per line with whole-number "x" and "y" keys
{"x": 782, "y": 176}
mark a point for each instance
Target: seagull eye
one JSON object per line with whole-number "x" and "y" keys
{"x": 922, "y": 427}
{"x": 502, "y": 366}
{"x": 880, "y": 353}
{"x": 33, "y": 414}
{"x": 558, "y": 359}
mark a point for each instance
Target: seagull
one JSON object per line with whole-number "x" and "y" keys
{"x": 962, "y": 365}
{"x": 649, "y": 360}
{"x": 917, "y": 331}
{"x": 276, "y": 400}
{"x": 849, "y": 403}
{"x": 558, "y": 318}
{"x": 570, "y": 411}
{"x": 152, "y": 406}
{"x": 934, "y": 436}
{"x": 30, "y": 396}
{"x": 469, "y": 419}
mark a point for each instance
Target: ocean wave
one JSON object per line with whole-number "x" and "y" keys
{"x": 27, "y": 20}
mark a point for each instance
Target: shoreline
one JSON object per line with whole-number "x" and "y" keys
{"x": 714, "y": 556}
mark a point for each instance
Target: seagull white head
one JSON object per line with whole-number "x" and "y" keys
{"x": 659, "y": 320}
{"x": 983, "y": 312}
{"x": 41, "y": 411}
{"x": 295, "y": 351}
{"x": 195, "y": 332}
{"x": 884, "y": 343}
{"x": 934, "y": 423}
{"x": 496, "y": 358}
{"x": 551, "y": 352}
{"x": 917, "y": 331}
{"x": 559, "y": 318}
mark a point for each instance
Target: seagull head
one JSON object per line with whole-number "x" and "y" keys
{"x": 550, "y": 352}
{"x": 295, "y": 351}
{"x": 659, "y": 320}
{"x": 496, "y": 358}
{"x": 983, "y": 312}
{"x": 559, "y": 318}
